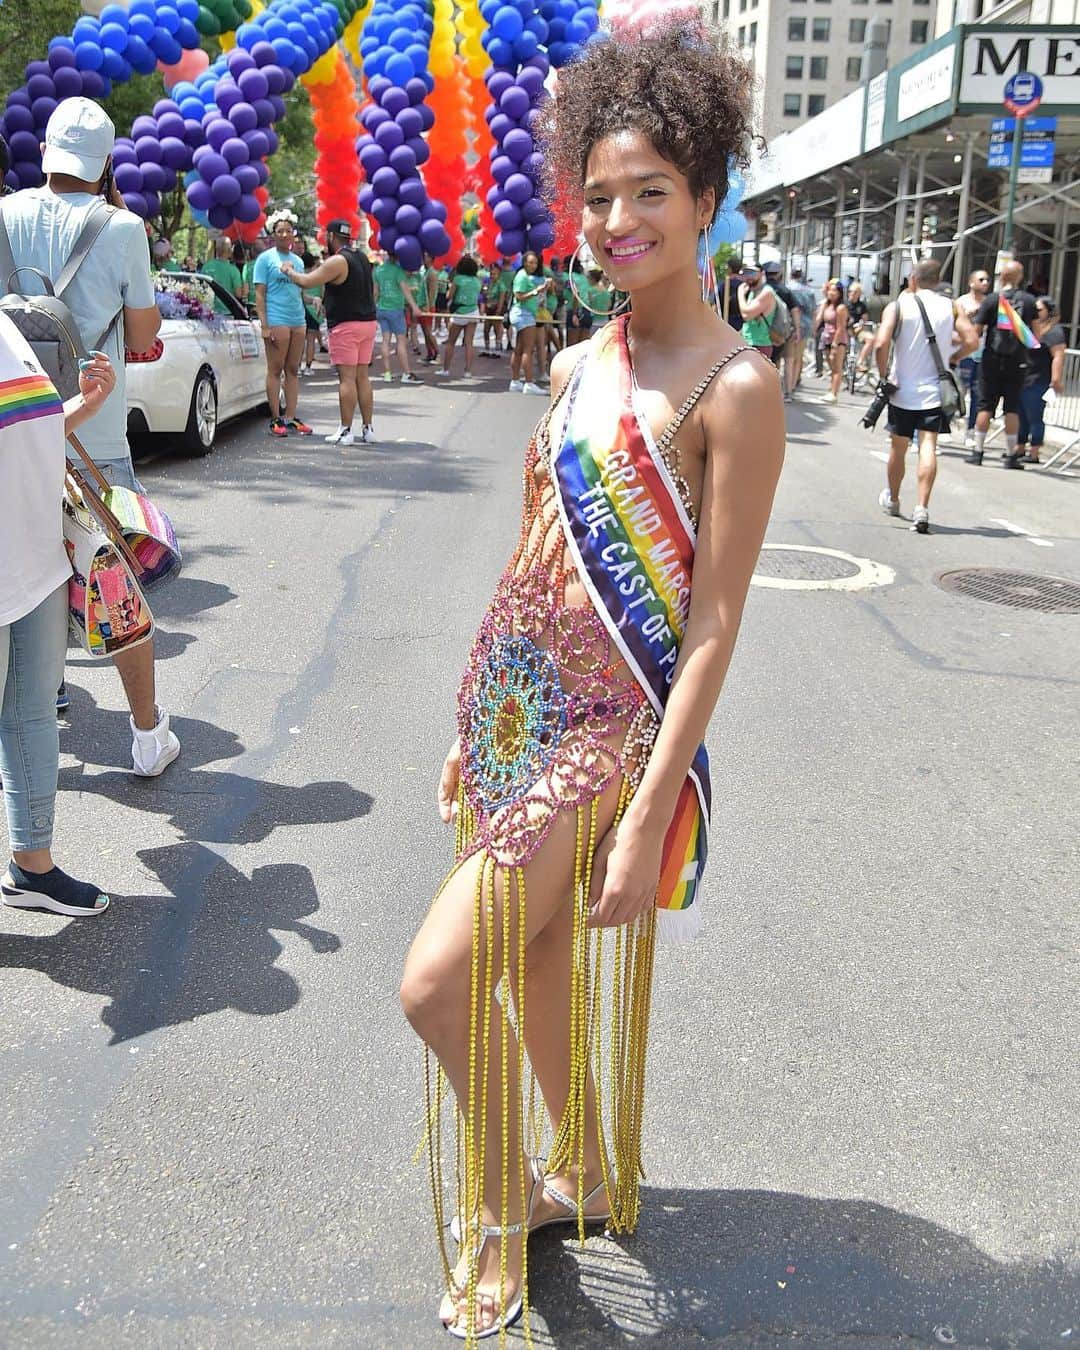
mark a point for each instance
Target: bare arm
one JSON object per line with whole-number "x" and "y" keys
{"x": 758, "y": 308}
{"x": 741, "y": 473}
{"x": 332, "y": 270}
{"x": 141, "y": 327}
{"x": 883, "y": 339}
{"x": 410, "y": 299}
{"x": 1057, "y": 367}
{"x": 965, "y": 338}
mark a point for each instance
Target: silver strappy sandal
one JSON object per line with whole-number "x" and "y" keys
{"x": 571, "y": 1206}
{"x": 460, "y": 1329}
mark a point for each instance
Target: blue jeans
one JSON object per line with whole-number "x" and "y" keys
{"x": 1032, "y": 411}
{"x": 32, "y": 652}
{"x": 969, "y": 369}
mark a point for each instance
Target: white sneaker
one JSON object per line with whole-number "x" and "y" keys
{"x": 409, "y": 378}
{"x": 516, "y": 386}
{"x": 529, "y": 388}
{"x": 969, "y": 442}
{"x": 347, "y": 439}
{"x": 442, "y": 374}
{"x": 153, "y": 751}
{"x": 888, "y": 504}
{"x": 337, "y": 435}
{"x": 828, "y": 398}
{"x": 367, "y": 435}
{"x": 920, "y": 520}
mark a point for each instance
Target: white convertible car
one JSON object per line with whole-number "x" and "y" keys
{"x": 204, "y": 368}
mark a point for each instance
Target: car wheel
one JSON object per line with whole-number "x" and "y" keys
{"x": 198, "y": 437}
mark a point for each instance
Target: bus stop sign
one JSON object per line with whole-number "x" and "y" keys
{"x": 1023, "y": 93}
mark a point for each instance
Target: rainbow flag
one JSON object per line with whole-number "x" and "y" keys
{"x": 633, "y": 545}
{"x": 26, "y": 398}
{"x": 1010, "y": 322}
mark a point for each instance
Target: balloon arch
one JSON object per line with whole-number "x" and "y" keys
{"x": 436, "y": 73}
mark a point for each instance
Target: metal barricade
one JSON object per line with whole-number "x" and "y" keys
{"x": 1064, "y": 413}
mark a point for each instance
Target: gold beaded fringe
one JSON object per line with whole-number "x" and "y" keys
{"x": 609, "y": 1069}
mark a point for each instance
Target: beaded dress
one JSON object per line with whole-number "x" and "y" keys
{"x": 550, "y": 719}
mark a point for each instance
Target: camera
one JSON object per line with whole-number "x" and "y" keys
{"x": 884, "y": 392}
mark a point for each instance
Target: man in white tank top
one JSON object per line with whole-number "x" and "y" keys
{"x": 915, "y": 403}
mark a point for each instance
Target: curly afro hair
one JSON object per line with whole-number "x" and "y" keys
{"x": 682, "y": 86}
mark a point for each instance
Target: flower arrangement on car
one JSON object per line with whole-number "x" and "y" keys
{"x": 187, "y": 298}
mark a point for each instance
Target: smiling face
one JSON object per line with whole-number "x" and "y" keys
{"x": 531, "y": 263}
{"x": 834, "y": 295}
{"x": 640, "y": 218}
{"x": 284, "y": 235}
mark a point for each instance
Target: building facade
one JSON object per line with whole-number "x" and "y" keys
{"x": 807, "y": 54}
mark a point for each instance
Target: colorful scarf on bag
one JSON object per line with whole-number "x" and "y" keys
{"x": 1010, "y": 322}
{"x": 633, "y": 545}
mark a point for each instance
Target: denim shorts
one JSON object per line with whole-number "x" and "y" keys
{"x": 391, "y": 321}
{"x": 120, "y": 473}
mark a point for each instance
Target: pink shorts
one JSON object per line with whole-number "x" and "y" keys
{"x": 352, "y": 344}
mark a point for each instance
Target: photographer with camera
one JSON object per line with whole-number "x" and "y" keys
{"x": 926, "y": 331}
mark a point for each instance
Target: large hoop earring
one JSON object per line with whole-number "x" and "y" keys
{"x": 584, "y": 304}
{"x": 710, "y": 287}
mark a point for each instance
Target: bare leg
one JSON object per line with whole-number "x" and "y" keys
{"x": 385, "y": 349}
{"x": 346, "y": 394}
{"x": 403, "y": 354}
{"x": 291, "y": 379}
{"x": 897, "y": 450}
{"x": 365, "y": 395}
{"x": 277, "y": 346}
{"x": 136, "y": 671}
{"x": 470, "y": 333}
{"x": 449, "y": 345}
{"x": 927, "y": 465}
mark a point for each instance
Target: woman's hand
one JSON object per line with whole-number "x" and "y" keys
{"x": 97, "y": 380}
{"x": 626, "y": 873}
{"x": 268, "y": 335}
{"x": 448, "y": 783}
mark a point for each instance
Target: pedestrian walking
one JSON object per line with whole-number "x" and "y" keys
{"x": 915, "y": 407}
{"x": 1004, "y": 318}
{"x": 786, "y": 351}
{"x": 348, "y": 284}
{"x": 34, "y": 576}
{"x": 393, "y": 294}
{"x": 968, "y": 305}
{"x": 1045, "y": 378}
{"x": 734, "y": 281}
{"x": 528, "y": 286}
{"x": 578, "y": 783}
{"x": 281, "y": 316}
{"x": 111, "y": 297}
{"x": 831, "y": 331}
{"x": 464, "y": 301}
{"x": 804, "y": 300}
{"x": 427, "y": 289}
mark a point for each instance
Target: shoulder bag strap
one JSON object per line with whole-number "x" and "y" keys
{"x": 110, "y": 526}
{"x": 97, "y": 218}
{"x": 930, "y": 337}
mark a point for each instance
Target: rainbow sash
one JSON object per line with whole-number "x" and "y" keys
{"x": 633, "y": 545}
{"x": 1010, "y": 322}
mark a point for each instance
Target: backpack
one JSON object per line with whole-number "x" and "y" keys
{"x": 780, "y": 325}
{"x": 45, "y": 321}
{"x": 1003, "y": 342}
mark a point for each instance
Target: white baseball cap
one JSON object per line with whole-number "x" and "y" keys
{"x": 78, "y": 140}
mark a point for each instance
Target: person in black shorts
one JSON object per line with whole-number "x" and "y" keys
{"x": 1004, "y": 364}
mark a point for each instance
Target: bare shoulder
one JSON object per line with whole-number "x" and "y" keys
{"x": 562, "y": 367}
{"x": 743, "y": 410}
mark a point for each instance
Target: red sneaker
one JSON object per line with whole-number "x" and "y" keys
{"x": 301, "y": 428}
{"x": 278, "y": 427}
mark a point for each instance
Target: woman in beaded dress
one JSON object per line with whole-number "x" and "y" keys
{"x": 578, "y": 784}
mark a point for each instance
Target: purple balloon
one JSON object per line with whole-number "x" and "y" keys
{"x": 408, "y": 252}
{"x": 408, "y": 219}
{"x": 239, "y": 60}
{"x": 263, "y": 54}
{"x": 375, "y": 117}
{"x": 247, "y": 175}
{"x": 420, "y": 149}
{"x": 387, "y": 237}
{"x": 507, "y": 215}
{"x": 68, "y": 81}
{"x": 367, "y": 196}
{"x": 395, "y": 100}
{"x": 148, "y": 149}
{"x": 498, "y": 82}
{"x": 384, "y": 209}
{"x": 221, "y": 217}
{"x": 42, "y": 109}
{"x": 531, "y": 80}
{"x": 502, "y": 166}
{"x": 143, "y": 126}
{"x": 427, "y": 117}
{"x": 275, "y": 79}
{"x": 123, "y": 154}
{"x": 153, "y": 178}
{"x": 219, "y": 131}
{"x": 60, "y": 58}
{"x": 534, "y": 211}
{"x": 225, "y": 190}
{"x": 93, "y": 86}
{"x": 128, "y": 178}
{"x": 24, "y": 145}
{"x": 265, "y": 112}
{"x": 403, "y": 161}
{"x": 153, "y": 203}
{"x": 514, "y": 102}
{"x": 271, "y": 140}
{"x": 518, "y": 145}
{"x": 372, "y": 159}
{"x": 211, "y": 166}
{"x": 244, "y": 118}
{"x": 262, "y": 170}
{"x": 28, "y": 174}
{"x": 193, "y": 132}
{"x": 533, "y": 165}
{"x": 136, "y": 202}
{"x": 389, "y": 135}
{"x": 234, "y": 151}
{"x": 18, "y": 119}
{"x": 377, "y": 86}
{"x": 385, "y": 182}
{"x": 509, "y": 242}
{"x": 253, "y": 84}
{"x": 412, "y": 193}
{"x": 40, "y": 86}
{"x": 410, "y": 122}
{"x": 170, "y": 124}
{"x": 227, "y": 96}
{"x": 542, "y": 236}
{"x": 258, "y": 143}
{"x": 518, "y": 188}
{"x": 278, "y": 104}
{"x": 501, "y": 126}
{"x": 416, "y": 90}
{"x": 434, "y": 238}
{"x": 247, "y": 209}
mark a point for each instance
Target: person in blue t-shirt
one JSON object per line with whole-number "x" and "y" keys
{"x": 281, "y": 312}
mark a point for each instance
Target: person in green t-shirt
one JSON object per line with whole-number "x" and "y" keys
{"x": 225, "y": 272}
{"x": 497, "y": 297}
{"x": 601, "y": 299}
{"x": 393, "y": 292}
{"x": 464, "y": 302}
{"x": 529, "y": 285}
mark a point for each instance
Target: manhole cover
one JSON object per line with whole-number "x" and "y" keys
{"x": 808, "y": 567}
{"x": 1018, "y": 590}
{"x": 799, "y": 566}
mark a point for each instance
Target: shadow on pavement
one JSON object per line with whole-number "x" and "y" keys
{"x": 712, "y": 1267}
{"x": 163, "y": 960}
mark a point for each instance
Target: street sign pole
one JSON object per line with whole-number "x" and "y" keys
{"x": 1023, "y": 94}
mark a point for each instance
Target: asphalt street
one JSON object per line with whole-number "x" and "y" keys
{"x": 862, "y": 1118}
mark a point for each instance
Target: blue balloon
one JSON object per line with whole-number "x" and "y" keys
{"x": 88, "y": 56}
{"x": 400, "y": 69}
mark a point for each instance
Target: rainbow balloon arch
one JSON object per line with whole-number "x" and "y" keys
{"x": 398, "y": 90}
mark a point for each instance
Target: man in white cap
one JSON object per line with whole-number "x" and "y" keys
{"x": 112, "y": 299}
